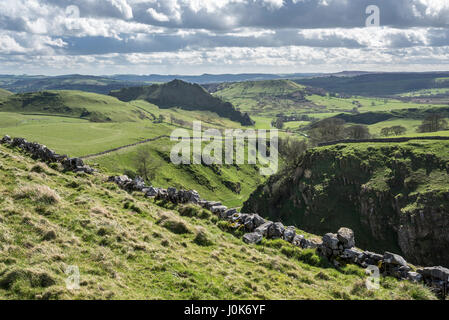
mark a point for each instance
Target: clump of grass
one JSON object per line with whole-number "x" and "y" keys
{"x": 359, "y": 289}
{"x": 28, "y": 277}
{"x": 276, "y": 243}
{"x": 38, "y": 168}
{"x": 132, "y": 206}
{"x": 189, "y": 211}
{"x": 39, "y": 193}
{"x": 321, "y": 275}
{"x": 202, "y": 238}
{"x": 173, "y": 224}
{"x": 310, "y": 256}
{"x": 194, "y": 211}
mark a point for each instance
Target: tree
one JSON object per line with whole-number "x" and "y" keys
{"x": 398, "y": 130}
{"x": 357, "y": 132}
{"x": 146, "y": 166}
{"x": 278, "y": 123}
{"x": 433, "y": 122}
{"x": 328, "y": 130}
{"x": 291, "y": 149}
{"x": 386, "y": 132}
{"x": 160, "y": 119}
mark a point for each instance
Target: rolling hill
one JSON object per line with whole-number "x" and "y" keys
{"x": 267, "y": 98}
{"x": 103, "y": 85}
{"x": 76, "y": 104}
{"x": 380, "y": 84}
{"x": 182, "y": 95}
{"x": 4, "y": 94}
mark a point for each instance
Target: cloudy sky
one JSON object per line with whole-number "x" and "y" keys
{"x": 221, "y": 36}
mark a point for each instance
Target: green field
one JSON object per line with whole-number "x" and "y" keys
{"x": 76, "y": 136}
{"x": 55, "y": 119}
{"x": 77, "y": 104}
{"x": 426, "y": 92}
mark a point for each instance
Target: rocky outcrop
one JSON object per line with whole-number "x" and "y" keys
{"x": 394, "y": 197}
{"x": 42, "y": 153}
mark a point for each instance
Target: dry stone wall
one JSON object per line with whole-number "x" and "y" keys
{"x": 42, "y": 153}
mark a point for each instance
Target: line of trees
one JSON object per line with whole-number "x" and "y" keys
{"x": 395, "y": 130}
{"x": 335, "y": 129}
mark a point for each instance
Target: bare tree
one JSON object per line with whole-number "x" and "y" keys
{"x": 433, "y": 122}
{"x": 357, "y": 132}
{"x": 291, "y": 149}
{"x": 146, "y": 165}
{"x": 328, "y": 130}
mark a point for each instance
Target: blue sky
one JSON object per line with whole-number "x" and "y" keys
{"x": 221, "y": 36}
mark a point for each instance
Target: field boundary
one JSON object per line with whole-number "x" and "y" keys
{"x": 123, "y": 147}
{"x": 382, "y": 140}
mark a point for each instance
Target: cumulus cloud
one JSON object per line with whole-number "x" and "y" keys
{"x": 242, "y": 35}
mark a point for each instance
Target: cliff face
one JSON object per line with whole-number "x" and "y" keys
{"x": 394, "y": 196}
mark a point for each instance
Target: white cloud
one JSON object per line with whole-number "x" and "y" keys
{"x": 157, "y": 15}
{"x": 123, "y": 7}
{"x": 231, "y": 34}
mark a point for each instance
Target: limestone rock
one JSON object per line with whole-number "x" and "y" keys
{"x": 263, "y": 229}
{"x": 346, "y": 237}
{"x": 289, "y": 234}
{"x": 218, "y": 210}
{"x": 276, "y": 230}
{"x": 439, "y": 273}
{"x": 330, "y": 240}
{"x": 394, "y": 259}
{"x": 252, "y": 238}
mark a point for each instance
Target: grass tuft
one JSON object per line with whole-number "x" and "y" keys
{"x": 39, "y": 193}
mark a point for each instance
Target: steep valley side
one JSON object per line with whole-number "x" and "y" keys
{"x": 394, "y": 196}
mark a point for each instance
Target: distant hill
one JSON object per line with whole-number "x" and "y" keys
{"x": 105, "y": 84}
{"x": 379, "y": 84}
{"x": 182, "y": 95}
{"x": 269, "y": 96}
{"x": 94, "y": 84}
{"x": 212, "y": 78}
{"x": 252, "y": 88}
{"x": 90, "y": 106}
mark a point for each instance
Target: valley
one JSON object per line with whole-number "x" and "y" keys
{"x": 394, "y": 195}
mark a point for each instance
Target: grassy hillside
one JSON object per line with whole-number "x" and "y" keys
{"x": 77, "y": 104}
{"x": 182, "y": 95}
{"x": 4, "y": 94}
{"x": 127, "y": 247}
{"x": 272, "y": 96}
{"x": 229, "y": 184}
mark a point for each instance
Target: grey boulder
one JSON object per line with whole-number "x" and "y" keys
{"x": 346, "y": 237}
{"x": 252, "y": 238}
{"x": 289, "y": 234}
{"x": 263, "y": 229}
{"x": 394, "y": 259}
